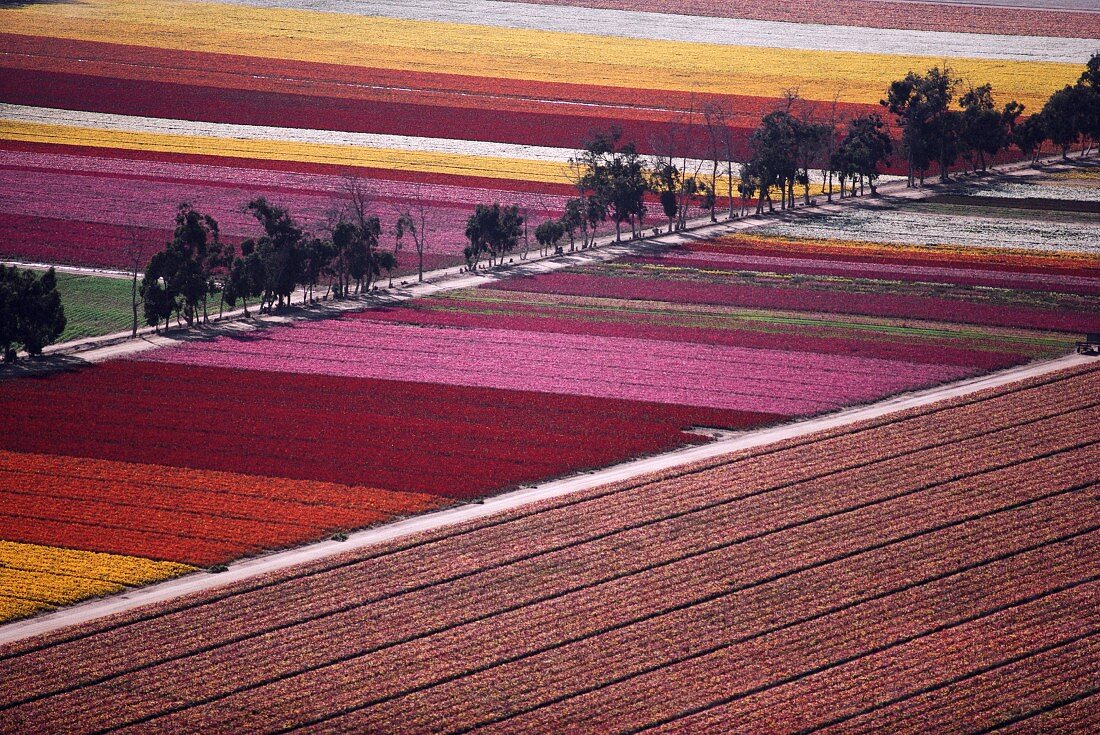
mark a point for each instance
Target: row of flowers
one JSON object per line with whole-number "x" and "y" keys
{"x": 344, "y": 594}
{"x": 35, "y": 578}
{"x": 972, "y": 255}
{"x": 420, "y": 437}
{"x": 883, "y": 339}
{"x": 623, "y": 367}
{"x": 487, "y": 51}
{"x": 870, "y": 270}
{"x": 1000, "y": 20}
{"x": 838, "y": 296}
{"x": 630, "y": 579}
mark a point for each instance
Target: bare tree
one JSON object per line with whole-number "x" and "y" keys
{"x": 135, "y": 249}
{"x": 718, "y": 134}
{"x": 412, "y": 220}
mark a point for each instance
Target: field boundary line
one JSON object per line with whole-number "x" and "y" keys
{"x": 257, "y": 566}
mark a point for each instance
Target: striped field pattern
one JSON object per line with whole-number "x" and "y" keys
{"x": 114, "y": 111}
{"x": 451, "y": 103}
{"x": 857, "y": 580}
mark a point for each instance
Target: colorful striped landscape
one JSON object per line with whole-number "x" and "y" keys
{"x": 854, "y": 580}
{"x": 127, "y": 107}
{"x": 297, "y": 431}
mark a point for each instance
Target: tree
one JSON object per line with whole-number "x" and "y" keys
{"x": 573, "y": 219}
{"x": 549, "y": 233}
{"x": 135, "y": 248}
{"x": 749, "y": 183}
{"x": 774, "y": 156}
{"x": 31, "y": 313}
{"x": 1062, "y": 117}
{"x": 865, "y": 146}
{"x": 246, "y": 277}
{"x": 179, "y": 278}
{"x": 983, "y": 130}
{"x": 413, "y": 221}
{"x": 930, "y": 129}
{"x": 1030, "y": 135}
{"x": 611, "y": 175}
{"x": 316, "y": 255}
{"x": 494, "y": 230}
{"x": 1089, "y": 82}
{"x": 721, "y": 151}
{"x": 666, "y": 182}
{"x": 280, "y": 250}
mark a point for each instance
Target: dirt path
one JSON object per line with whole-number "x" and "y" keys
{"x": 256, "y": 566}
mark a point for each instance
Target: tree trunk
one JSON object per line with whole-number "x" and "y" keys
{"x": 714, "y": 191}
{"x": 133, "y": 301}
{"x": 729, "y": 186}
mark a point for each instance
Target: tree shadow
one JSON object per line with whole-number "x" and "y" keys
{"x": 23, "y": 3}
{"x": 41, "y": 367}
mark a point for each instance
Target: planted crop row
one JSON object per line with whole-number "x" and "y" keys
{"x": 1021, "y": 690}
{"x": 34, "y": 578}
{"x": 418, "y": 603}
{"x": 768, "y": 332}
{"x": 955, "y": 651}
{"x": 735, "y": 378}
{"x": 563, "y": 523}
{"x": 560, "y": 433}
{"x": 356, "y": 681}
{"x": 615, "y": 679}
{"x": 1024, "y": 20}
{"x": 912, "y": 273}
{"x": 929, "y": 306}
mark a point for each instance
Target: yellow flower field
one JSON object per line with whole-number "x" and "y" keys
{"x": 35, "y": 578}
{"x": 512, "y": 53}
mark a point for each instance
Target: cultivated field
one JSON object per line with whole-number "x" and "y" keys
{"x": 863, "y": 577}
{"x": 932, "y": 569}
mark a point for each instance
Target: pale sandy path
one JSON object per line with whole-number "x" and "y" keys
{"x": 249, "y": 568}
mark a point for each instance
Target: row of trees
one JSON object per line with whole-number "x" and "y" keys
{"x": 614, "y": 182}
{"x": 197, "y": 266}
{"x": 31, "y": 314}
{"x": 941, "y": 126}
{"x": 937, "y": 125}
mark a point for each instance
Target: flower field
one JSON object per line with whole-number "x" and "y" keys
{"x": 287, "y": 433}
{"x": 990, "y": 287}
{"x": 859, "y": 579}
{"x": 36, "y": 578}
{"x": 111, "y": 111}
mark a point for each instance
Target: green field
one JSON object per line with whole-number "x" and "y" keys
{"x": 94, "y": 305}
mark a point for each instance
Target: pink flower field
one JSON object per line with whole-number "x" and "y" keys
{"x": 712, "y": 376}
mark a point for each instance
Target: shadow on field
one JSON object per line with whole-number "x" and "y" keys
{"x": 31, "y": 367}
{"x": 23, "y": 3}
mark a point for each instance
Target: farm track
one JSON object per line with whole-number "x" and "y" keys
{"x": 596, "y": 564}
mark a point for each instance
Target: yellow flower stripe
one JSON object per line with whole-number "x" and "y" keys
{"x": 35, "y": 578}
{"x": 512, "y": 53}
{"x": 118, "y": 568}
{"x": 1084, "y": 174}
{"x": 343, "y": 155}
{"x": 12, "y": 608}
